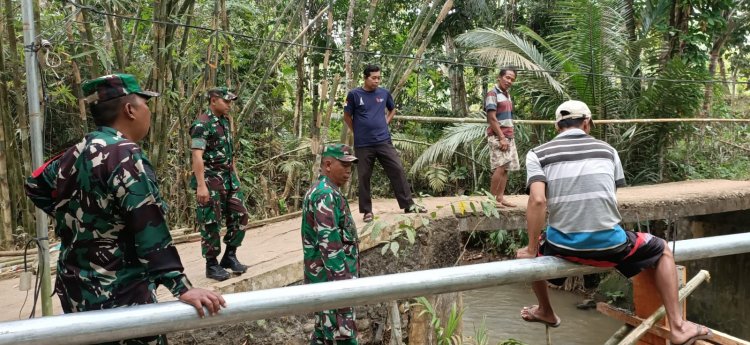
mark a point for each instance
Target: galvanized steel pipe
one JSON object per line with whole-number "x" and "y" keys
{"x": 122, "y": 323}
{"x": 37, "y": 147}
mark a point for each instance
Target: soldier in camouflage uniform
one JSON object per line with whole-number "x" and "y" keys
{"x": 110, "y": 217}
{"x": 217, "y": 186}
{"x": 330, "y": 243}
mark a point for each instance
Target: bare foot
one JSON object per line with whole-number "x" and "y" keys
{"x": 502, "y": 203}
{"x": 532, "y": 314}
{"x": 689, "y": 333}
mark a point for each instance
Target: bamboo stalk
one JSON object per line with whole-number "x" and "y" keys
{"x": 15, "y": 262}
{"x": 250, "y": 106}
{"x": 549, "y": 336}
{"x": 10, "y": 253}
{"x": 639, "y": 331}
{"x": 619, "y": 335}
{"x": 6, "y": 223}
{"x": 735, "y": 145}
{"x": 435, "y": 119}
{"x": 661, "y": 331}
{"x": 441, "y": 16}
{"x": 395, "y": 317}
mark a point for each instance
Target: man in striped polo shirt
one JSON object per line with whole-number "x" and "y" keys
{"x": 575, "y": 178}
{"x": 500, "y": 133}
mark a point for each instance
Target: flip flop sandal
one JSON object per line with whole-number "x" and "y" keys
{"x": 367, "y": 218}
{"x": 532, "y": 318}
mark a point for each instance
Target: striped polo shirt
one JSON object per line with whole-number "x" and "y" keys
{"x": 582, "y": 175}
{"x": 499, "y": 101}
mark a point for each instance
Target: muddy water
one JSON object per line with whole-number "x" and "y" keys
{"x": 501, "y": 306}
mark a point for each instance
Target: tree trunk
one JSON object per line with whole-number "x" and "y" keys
{"x": 679, "y": 20}
{"x": 415, "y": 34}
{"x": 510, "y": 15}
{"x": 80, "y": 122}
{"x": 456, "y": 76}
{"x": 6, "y": 218}
{"x": 134, "y": 35}
{"x": 425, "y": 42}
{"x": 716, "y": 49}
{"x": 94, "y": 70}
{"x": 21, "y": 165}
{"x": 116, "y": 36}
{"x": 346, "y": 137}
{"x": 227, "y": 44}
{"x": 314, "y": 122}
{"x": 159, "y": 76}
{"x": 325, "y": 122}
{"x": 316, "y": 142}
{"x": 633, "y": 85}
{"x": 299, "y": 97}
{"x": 366, "y": 30}
{"x": 261, "y": 52}
{"x": 733, "y": 87}
{"x": 300, "y": 92}
{"x": 256, "y": 96}
{"x": 348, "y": 32}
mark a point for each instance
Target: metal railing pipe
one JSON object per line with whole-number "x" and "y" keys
{"x": 122, "y": 323}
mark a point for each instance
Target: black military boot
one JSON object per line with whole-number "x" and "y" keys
{"x": 214, "y": 271}
{"x": 229, "y": 260}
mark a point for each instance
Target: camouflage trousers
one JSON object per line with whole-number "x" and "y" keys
{"x": 223, "y": 204}
{"x": 334, "y": 327}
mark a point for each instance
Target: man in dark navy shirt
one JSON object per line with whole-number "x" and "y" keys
{"x": 368, "y": 111}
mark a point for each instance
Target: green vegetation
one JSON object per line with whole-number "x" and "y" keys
{"x": 627, "y": 59}
{"x": 445, "y": 332}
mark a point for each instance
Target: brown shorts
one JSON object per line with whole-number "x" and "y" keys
{"x": 499, "y": 158}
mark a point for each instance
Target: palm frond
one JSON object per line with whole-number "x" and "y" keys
{"x": 437, "y": 177}
{"x": 453, "y": 137}
{"x": 503, "y": 48}
{"x": 409, "y": 148}
{"x": 290, "y": 165}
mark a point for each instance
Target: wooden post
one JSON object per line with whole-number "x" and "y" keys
{"x": 719, "y": 338}
{"x": 637, "y": 333}
{"x": 395, "y": 317}
{"x": 647, "y": 301}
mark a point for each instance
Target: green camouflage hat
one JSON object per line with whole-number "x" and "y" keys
{"x": 113, "y": 86}
{"x": 339, "y": 151}
{"x": 223, "y": 93}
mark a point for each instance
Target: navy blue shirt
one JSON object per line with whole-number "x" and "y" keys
{"x": 367, "y": 109}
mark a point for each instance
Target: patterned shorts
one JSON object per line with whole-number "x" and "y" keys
{"x": 640, "y": 251}
{"x": 498, "y": 158}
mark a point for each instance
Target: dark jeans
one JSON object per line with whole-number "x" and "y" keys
{"x": 391, "y": 162}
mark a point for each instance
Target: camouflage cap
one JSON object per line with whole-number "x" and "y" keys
{"x": 222, "y": 92}
{"x": 113, "y": 86}
{"x": 339, "y": 151}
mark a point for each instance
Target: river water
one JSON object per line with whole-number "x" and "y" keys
{"x": 502, "y": 306}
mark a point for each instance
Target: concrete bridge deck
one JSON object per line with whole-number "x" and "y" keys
{"x": 274, "y": 251}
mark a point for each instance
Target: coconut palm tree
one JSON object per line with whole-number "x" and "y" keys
{"x": 593, "y": 56}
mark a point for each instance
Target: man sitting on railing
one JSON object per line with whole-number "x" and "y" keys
{"x": 576, "y": 177}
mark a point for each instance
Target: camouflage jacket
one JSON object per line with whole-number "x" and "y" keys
{"x": 213, "y": 135}
{"x": 329, "y": 235}
{"x": 115, "y": 243}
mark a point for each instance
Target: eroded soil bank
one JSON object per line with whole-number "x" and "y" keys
{"x": 438, "y": 245}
